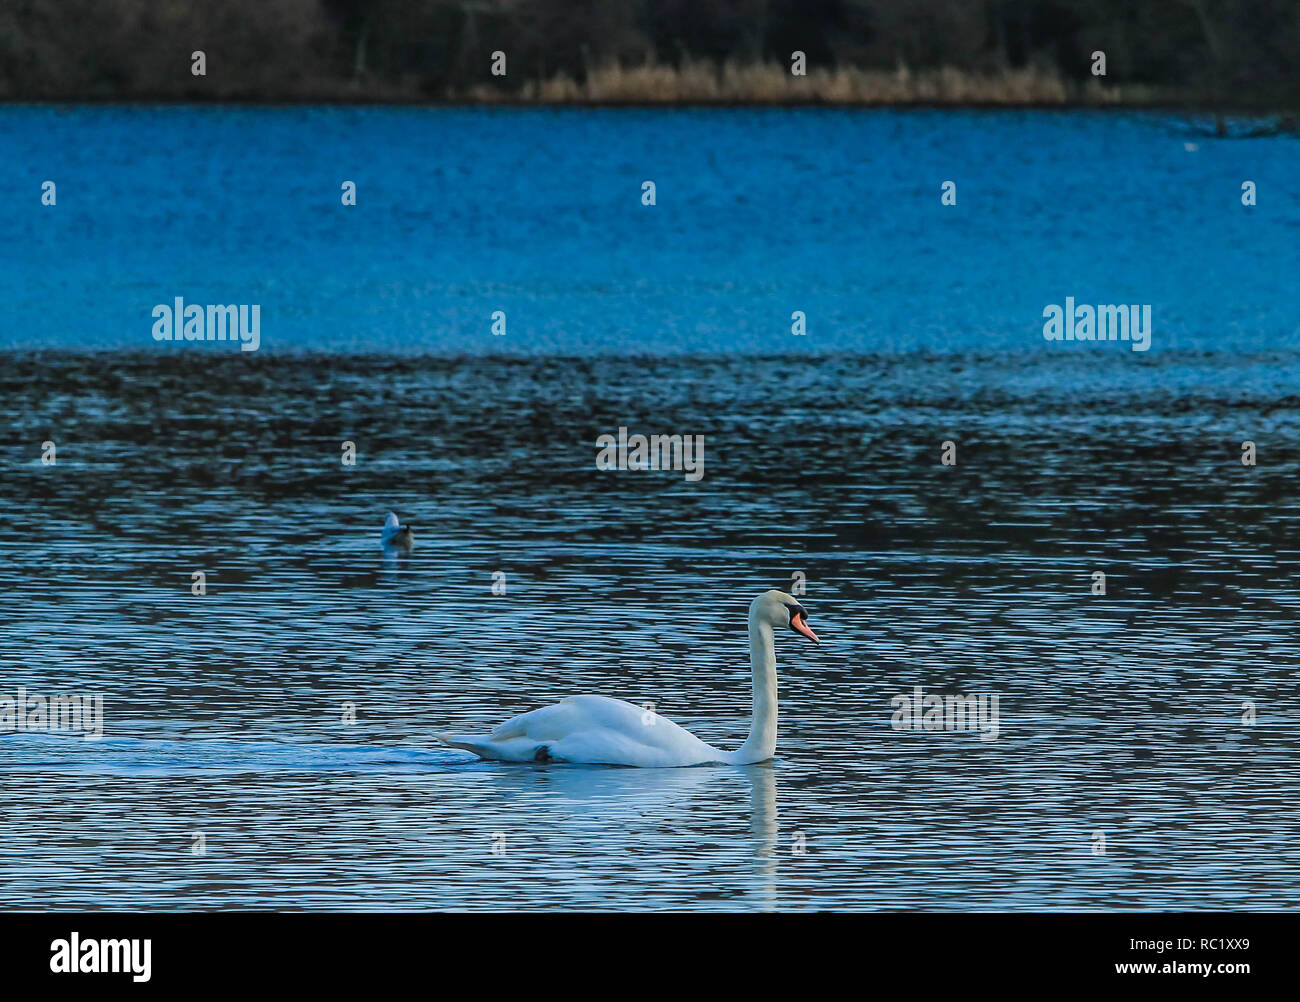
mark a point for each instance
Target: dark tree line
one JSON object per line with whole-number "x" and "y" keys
{"x": 1244, "y": 52}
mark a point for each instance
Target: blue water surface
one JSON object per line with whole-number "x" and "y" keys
{"x": 269, "y": 744}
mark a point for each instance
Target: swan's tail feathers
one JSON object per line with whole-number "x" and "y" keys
{"x": 480, "y": 745}
{"x": 391, "y": 521}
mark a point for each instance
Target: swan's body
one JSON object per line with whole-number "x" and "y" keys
{"x": 599, "y": 730}
{"x": 396, "y": 534}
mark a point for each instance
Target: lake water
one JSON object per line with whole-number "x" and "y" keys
{"x": 1120, "y": 716}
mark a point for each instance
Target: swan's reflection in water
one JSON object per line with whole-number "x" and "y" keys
{"x": 718, "y": 825}
{"x": 395, "y": 555}
{"x": 764, "y": 831}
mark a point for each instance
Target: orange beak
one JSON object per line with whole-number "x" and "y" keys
{"x": 799, "y": 623}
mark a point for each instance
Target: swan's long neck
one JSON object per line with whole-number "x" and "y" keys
{"x": 761, "y": 743}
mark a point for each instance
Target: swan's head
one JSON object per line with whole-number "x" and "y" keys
{"x": 782, "y": 611}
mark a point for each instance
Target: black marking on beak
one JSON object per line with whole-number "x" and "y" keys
{"x": 795, "y": 612}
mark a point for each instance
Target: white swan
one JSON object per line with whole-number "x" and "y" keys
{"x": 599, "y": 730}
{"x": 396, "y": 534}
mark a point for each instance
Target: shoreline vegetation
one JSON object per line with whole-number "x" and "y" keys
{"x": 1193, "y": 56}
{"x": 701, "y": 84}
{"x": 733, "y": 84}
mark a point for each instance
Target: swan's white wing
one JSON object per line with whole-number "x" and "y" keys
{"x": 391, "y": 523}
{"x": 591, "y": 729}
{"x": 547, "y": 722}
